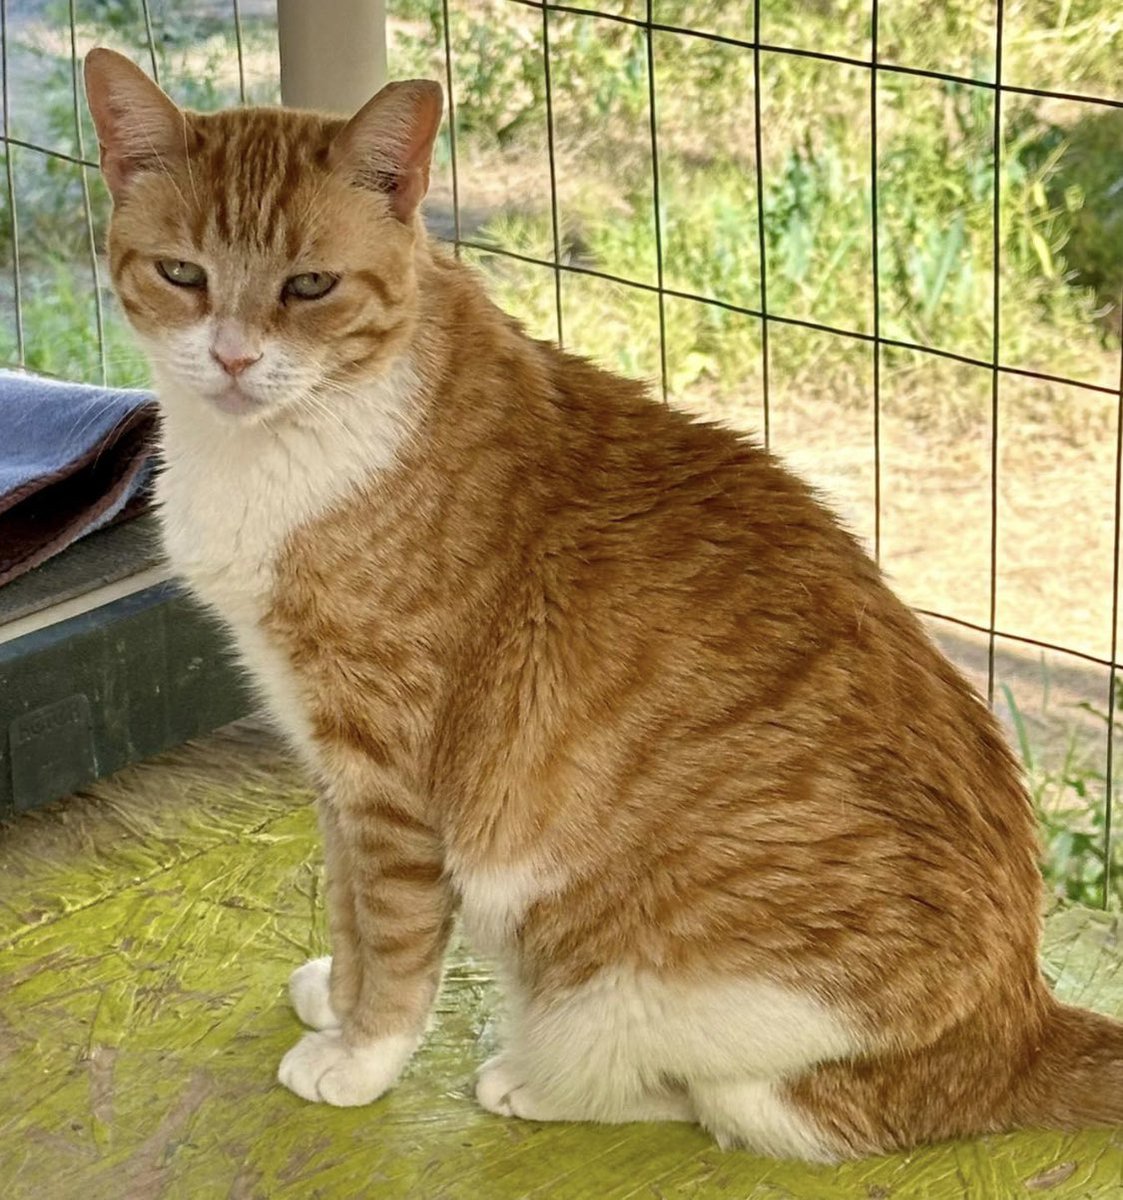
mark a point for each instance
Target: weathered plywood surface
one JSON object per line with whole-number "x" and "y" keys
{"x": 146, "y": 938}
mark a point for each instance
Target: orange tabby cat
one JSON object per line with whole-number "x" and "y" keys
{"x": 606, "y": 679}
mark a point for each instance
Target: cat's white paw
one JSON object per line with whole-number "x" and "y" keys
{"x": 499, "y": 1090}
{"x": 310, "y": 994}
{"x": 322, "y": 1067}
{"x": 502, "y": 1090}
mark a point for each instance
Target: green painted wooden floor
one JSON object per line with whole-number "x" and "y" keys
{"x": 146, "y": 934}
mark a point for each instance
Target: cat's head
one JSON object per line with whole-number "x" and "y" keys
{"x": 265, "y": 257}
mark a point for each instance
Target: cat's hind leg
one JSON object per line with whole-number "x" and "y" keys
{"x": 756, "y": 1115}
{"x": 629, "y": 1045}
{"x": 749, "y": 1114}
{"x": 503, "y": 1090}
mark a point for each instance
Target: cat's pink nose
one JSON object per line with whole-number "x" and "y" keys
{"x": 234, "y": 364}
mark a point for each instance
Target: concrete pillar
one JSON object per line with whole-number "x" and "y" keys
{"x": 333, "y": 52}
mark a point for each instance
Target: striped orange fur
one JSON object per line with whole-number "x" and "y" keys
{"x": 607, "y": 679}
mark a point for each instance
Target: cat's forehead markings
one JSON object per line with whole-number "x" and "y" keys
{"x": 260, "y": 169}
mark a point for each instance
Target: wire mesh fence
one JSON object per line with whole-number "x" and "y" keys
{"x": 887, "y": 239}
{"x": 868, "y": 70}
{"x": 206, "y": 54}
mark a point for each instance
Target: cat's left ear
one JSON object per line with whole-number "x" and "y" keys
{"x": 388, "y": 143}
{"x": 138, "y": 127}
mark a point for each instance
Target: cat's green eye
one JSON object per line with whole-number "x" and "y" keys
{"x": 182, "y": 274}
{"x": 311, "y": 285}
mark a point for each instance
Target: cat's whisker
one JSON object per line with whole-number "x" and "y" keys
{"x": 316, "y": 204}
{"x": 89, "y": 417}
{"x": 190, "y": 171}
{"x": 315, "y": 404}
{"x": 167, "y": 172}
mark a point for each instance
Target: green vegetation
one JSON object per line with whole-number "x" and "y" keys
{"x": 1067, "y": 790}
{"x": 1060, "y": 233}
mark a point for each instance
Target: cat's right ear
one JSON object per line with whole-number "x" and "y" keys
{"x": 388, "y": 143}
{"x": 138, "y": 127}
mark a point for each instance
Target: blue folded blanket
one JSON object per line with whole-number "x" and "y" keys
{"x": 72, "y": 459}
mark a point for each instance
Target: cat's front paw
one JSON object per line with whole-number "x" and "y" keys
{"x": 499, "y": 1090}
{"x": 323, "y": 1067}
{"x": 310, "y": 994}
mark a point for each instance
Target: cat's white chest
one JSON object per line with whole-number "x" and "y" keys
{"x": 232, "y": 496}
{"x": 220, "y": 540}
{"x": 228, "y": 507}
{"x": 225, "y": 553}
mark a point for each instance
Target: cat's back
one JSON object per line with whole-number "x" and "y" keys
{"x": 630, "y": 494}
{"x": 686, "y": 572}
{"x": 561, "y": 452}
